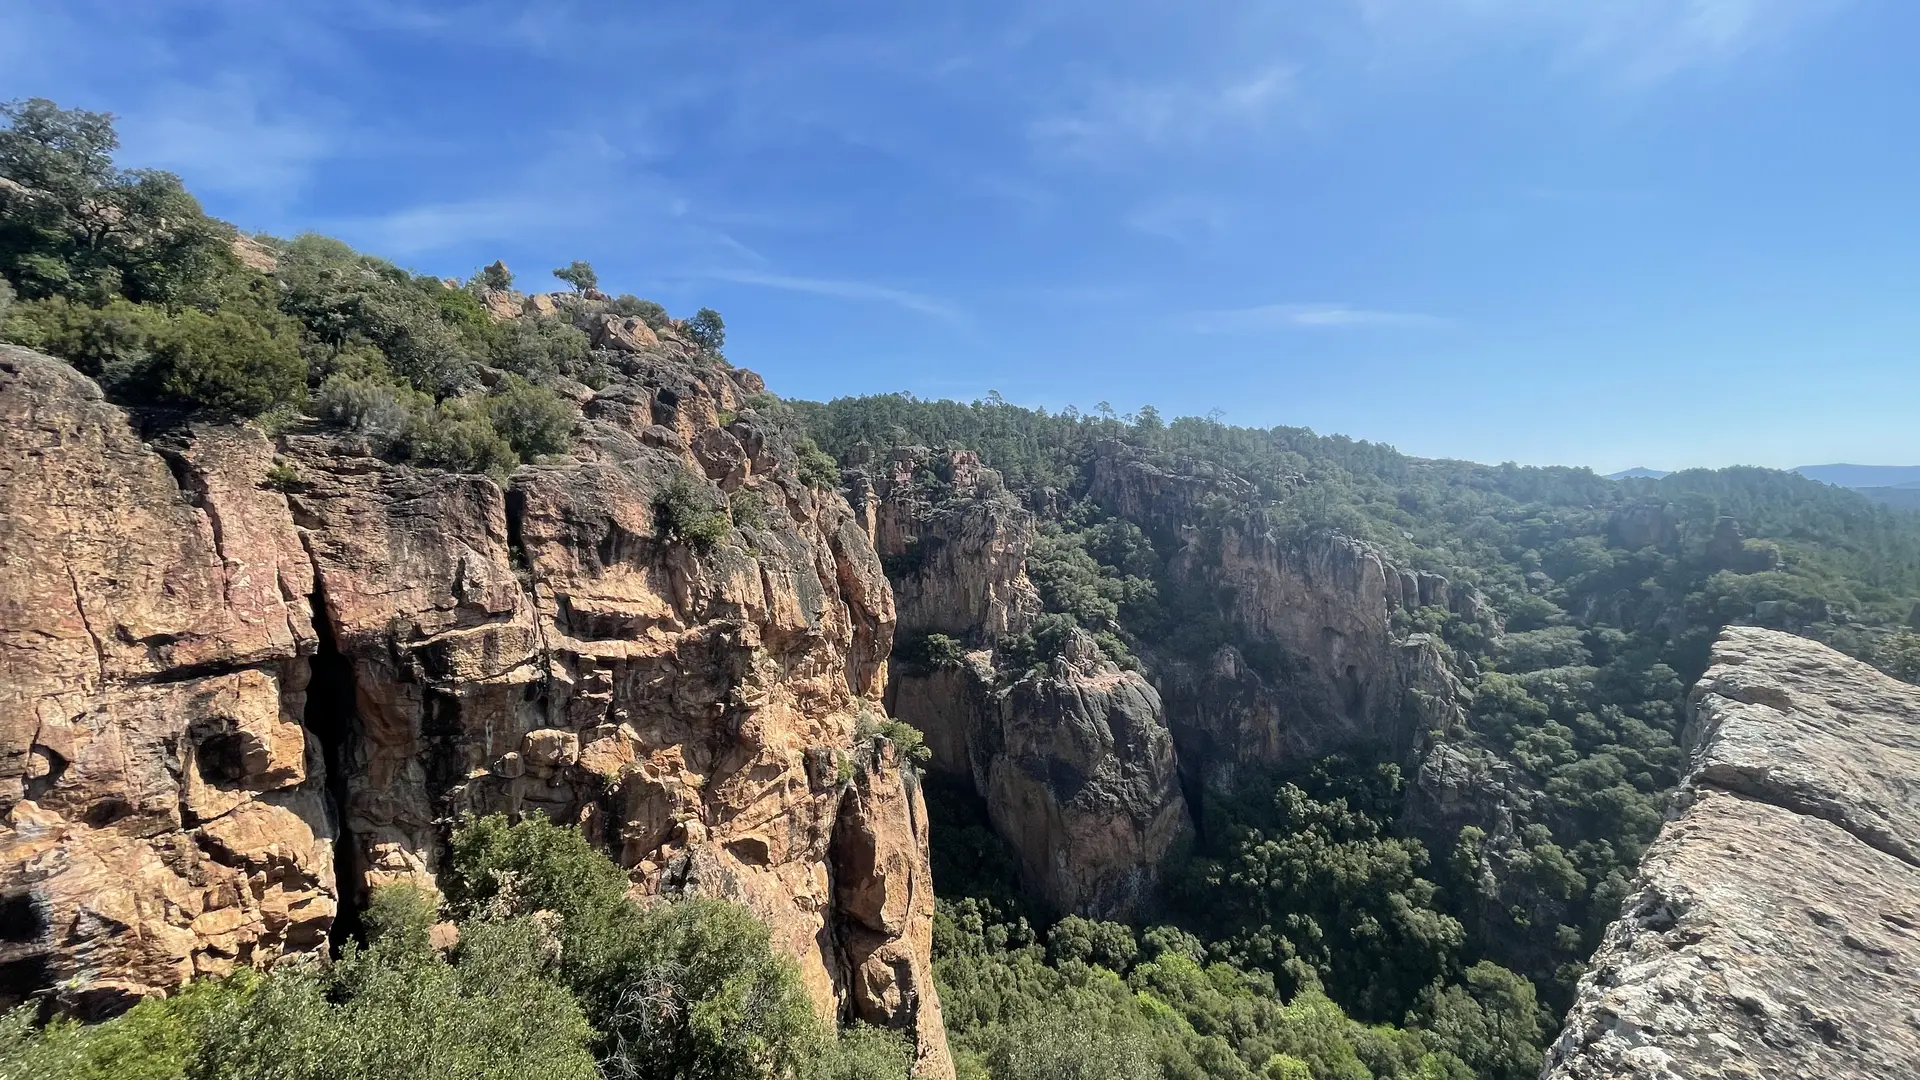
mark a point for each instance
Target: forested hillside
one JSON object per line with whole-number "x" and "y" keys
{"x": 1604, "y": 597}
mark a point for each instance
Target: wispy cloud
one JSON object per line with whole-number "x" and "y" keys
{"x": 1316, "y": 316}
{"x": 868, "y": 292}
{"x": 1630, "y": 43}
{"x": 222, "y": 136}
{"x": 1119, "y": 118}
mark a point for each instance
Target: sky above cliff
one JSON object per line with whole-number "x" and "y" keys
{"x": 1605, "y": 232}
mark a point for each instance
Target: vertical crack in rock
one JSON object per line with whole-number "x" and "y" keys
{"x": 332, "y": 716}
{"x": 80, "y": 608}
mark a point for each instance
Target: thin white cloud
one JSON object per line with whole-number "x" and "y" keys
{"x": 221, "y": 138}
{"x": 918, "y": 303}
{"x": 1317, "y": 316}
{"x": 1631, "y": 43}
{"x": 1120, "y": 118}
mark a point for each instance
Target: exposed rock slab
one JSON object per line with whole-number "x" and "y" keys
{"x": 1776, "y": 926}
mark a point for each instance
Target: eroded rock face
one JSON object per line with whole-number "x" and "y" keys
{"x": 1078, "y": 773}
{"x": 1324, "y": 670}
{"x": 162, "y": 802}
{"x": 554, "y": 647}
{"x": 1776, "y": 926}
{"x": 959, "y": 554}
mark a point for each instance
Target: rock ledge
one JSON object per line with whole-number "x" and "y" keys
{"x": 1775, "y": 930}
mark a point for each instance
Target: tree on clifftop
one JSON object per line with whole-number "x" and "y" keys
{"x": 706, "y": 330}
{"x": 578, "y": 274}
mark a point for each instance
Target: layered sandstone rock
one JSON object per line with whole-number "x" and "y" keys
{"x": 1775, "y": 929}
{"x": 550, "y": 648}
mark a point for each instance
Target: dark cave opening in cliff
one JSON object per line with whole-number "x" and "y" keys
{"x": 333, "y": 716}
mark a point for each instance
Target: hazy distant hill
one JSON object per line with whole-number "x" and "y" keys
{"x": 1638, "y": 472}
{"x": 1863, "y": 476}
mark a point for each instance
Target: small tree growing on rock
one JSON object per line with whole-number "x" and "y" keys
{"x": 707, "y": 330}
{"x": 578, "y": 274}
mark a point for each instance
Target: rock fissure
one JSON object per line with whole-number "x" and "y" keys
{"x": 80, "y": 609}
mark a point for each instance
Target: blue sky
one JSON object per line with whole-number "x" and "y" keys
{"x": 1606, "y": 232}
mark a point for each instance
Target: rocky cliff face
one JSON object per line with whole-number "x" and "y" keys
{"x": 163, "y": 800}
{"x": 1775, "y": 929}
{"x": 1075, "y": 762}
{"x": 1081, "y": 764}
{"x": 1331, "y": 673}
{"x": 1076, "y": 765}
{"x": 214, "y": 684}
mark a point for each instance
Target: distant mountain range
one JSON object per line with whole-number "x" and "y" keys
{"x": 1895, "y": 485}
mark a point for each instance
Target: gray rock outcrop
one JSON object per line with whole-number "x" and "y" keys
{"x": 1775, "y": 926}
{"x": 1078, "y": 772}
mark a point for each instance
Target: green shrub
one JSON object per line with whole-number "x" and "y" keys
{"x": 77, "y": 226}
{"x": 225, "y": 362}
{"x": 540, "y": 347}
{"x": 392, "y": 1009}
{"x": 282, "y": 476}
{"x": 864, "y": 1052}
{"x": 926, "y": 653}
{"x": 534, "y": 420}
{"x": 689, "y": 511}
{"x": 495, "y": 276}
{"x": 817, "y": 467}
{"x": 749, "y": 508}
{"x": 370, "y": 406}
{"x": 646, "y": 311}
{"x": 457, "y": 436}
{"x": 690, "y": 988}
{"x": 578, "y": 274}
{"x": 707, "y": 330}
{"x": 907, "y": 742}
{"x": 113, "y": 343}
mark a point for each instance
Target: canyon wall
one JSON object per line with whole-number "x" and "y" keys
{"x": 234, "y": 705}
{"x": 1086, "y": 767}
{"x": 1774, "y": 929}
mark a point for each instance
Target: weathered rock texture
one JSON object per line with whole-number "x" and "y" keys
{"x": 1776, "y": 926}
{"x": 162, "y": 801}
{"x": 1330, "y": 673}
{"x": 1075, "y": 763}
{"x": 1078, "y": 773}
{"x": 182, "y": 746}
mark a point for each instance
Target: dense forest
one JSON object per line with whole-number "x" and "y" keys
{"x": 1308, "y": 934}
